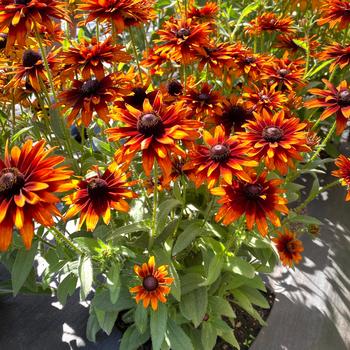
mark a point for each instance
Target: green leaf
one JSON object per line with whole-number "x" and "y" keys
{"x": 133, "y": 339}
{"x": 168, "y": 231}
{"x": 221, "y": 306}
{"x": 178, "y": 339}
{"x": 318, "y": 67}
{"x": 86, "y": 243}
{"x": 102, "y": 300}
{"x": 85, "y": 276}
{"x": 239, "y": 266}
{"x": 113, "y": 282}
{"x": 214, "y": 270}
{"x": 141, "y": 318}
{"x": 164, "y": 210}
{"x": 245, "y": 12}
{"x": 158, "y": 325}
{"x": 92, "y": 327}
{"x": 230, "y": 338}
{"x": 302, "y": 44}
{"x": 187, "y": 236}
{"x": 127, "y": 229}
{"x": 305, "y": 219}
{"x": 190, "y": 282}
{"x": 103, "y": 147}
{"x": 21, "y": 132}
{"x": 255, "y": 297}
{"x": 57, "y": 124}
{"x": 208, "y": 336}
{"x": 22, "y": 266}
{"x": 66, "y": 287}
{"x": 106, "y": 319}
{"x": 194, "y": 305}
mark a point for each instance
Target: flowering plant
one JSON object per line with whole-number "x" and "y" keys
{"x": 151, "y": 151}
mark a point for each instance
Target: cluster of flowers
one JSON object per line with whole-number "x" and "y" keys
{"x": 230, "y": 141}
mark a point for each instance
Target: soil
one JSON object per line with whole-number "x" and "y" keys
{"x": 246, "y": 327}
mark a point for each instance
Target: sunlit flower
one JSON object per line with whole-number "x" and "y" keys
{"x": 155, "y": 131}
{"x": 206, "y": 13}
{"x": 269, "y": 22}
{"x": 154, "y": 60}
{"x": 220, "y": 157}
{"x": 203, "y": 100}
{"x": 178, "y": 38}
{"x": 155, "y": 284}
{"x": 340, "y": 55}
{"x": 19, "y": 17}
{"x": 343, "y": 172}
{"x": 251, "y": 64}
{"x": 335, "y": 100}
{"x": 315, "y": 4}
{"x": 89, "y": 56}
{"x": 91, "y": 95}
{"x": 31, "y": 69}
{"x": 335, "y": 12}
{"x": 264, "y": 98}
{"x": 291, "y": 43}
{"x": 289, "y": 247}
{"x": 97, "y": 195}
{"x": 122, "y": 13}
{"x": 29, "y": 177}
{"x": 258, "y": 199}
{"x": 275, "y": 139}
{"x": 288, "y": 74}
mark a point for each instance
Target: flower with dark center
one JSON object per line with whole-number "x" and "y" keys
{"x": 29, "y": 178}
{"x": 95, "y": 197}
{"x": 272, "y": 134}
{"x": 344, "y": 98}
{"x": 219, "y": 153}
{"x": 30, "y": 58}
{"x": 283, "y": 72}
{"x": 203, "y": 97}
{"x": 3, "y": 40}
{"x": 288, "y": 247}
{"x": 155, "y": 131}
{"x": 335, "y": 13}
{"x": 250, "y": 59}
{"x": 90, "y": 87}
{"x": 343, "y": 173}
{"x": 150, "y": 124}
{"x": 175, "y": 88}
{"x": 259, "y": 199}
{"x": 334, "y": 100}
{"x": 155, "y": 284}
{"x": 221, "y": 157}
{"x": 150, "y": 283}
{"x": 22, "y": 2}
{"x": 253, "y": 191}
{"x": 182, "y": 33}
{"x": 276, "y": 139}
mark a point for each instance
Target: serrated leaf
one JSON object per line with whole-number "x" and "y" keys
{"x": 158, "y": 325}
{"x": 221, "y": 306}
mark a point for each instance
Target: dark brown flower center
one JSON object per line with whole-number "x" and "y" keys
{"x": 30, "y": 58}
{"x": 22, "y": 2}
{"x": 182, "y": 33}
{"x": 253, "y": 190}
{"x": 344, "y": 98}
{"x": 204, "y": 97}
{"x": 11, "y": 182}
{"x": 97, "y": 187}
{"x": 219, "y": 153}
{"x": 175, "y": 88}
{"x": 136, "y": 100}
{"x": 150, "y": 124}
{"x": 272, "y": 134}
{"x": 291, "y": 247}
{"x": 3, "y": 40}
{"x": 150, "y": 283}
{"x": 283, "y": 72}
{"x": 90, "y": 87}
{"x": 250, "y": 59}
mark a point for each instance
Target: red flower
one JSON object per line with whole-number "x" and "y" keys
{"x": 343, "y": 163}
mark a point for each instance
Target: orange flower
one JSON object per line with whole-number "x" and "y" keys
{"x": 123, "y": 13}
{"x": 154, "y": 61}
{"x": 155, "y": 131}
{"x": 315, "y": 4}
{"x": 335, "y": 101}
{"x": 289, "y": 247}
{"x": 269, "y": 22}
{"x": 288, "y": 74}
{"x": 179, "y": 38}
{"x": 88, "y": 57}
{"x": 155, "y": 284}
{"x": 97, "y": 195}
{"x": 92, "y": 95}
{"x": 339, "y": 53}
{"x": 335, "y": 12}
{"x": 264, "y": 98}
{"x": 251, "y": 64}
{"x": 343, "y": 163}
{"x": 288, "y": 42}
{"x": 203, "y": 101}
{"x": 31, "y": 69}
{"x": 19, "y": 17}
{"x": 258, "y": 199}
{"x": 221, "y": 156}
{"x": 28, "y": 180}
{"x": 233, "y": 115}
{"x": 207, "y": 13}
{"x": 275, "y": 139}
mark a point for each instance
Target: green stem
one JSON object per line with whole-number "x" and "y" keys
{"x": 45, "y": 242}
{"x": 135, "y": 54}
{"x": 58, "y": 234}
{"x": 155, "y": 206}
